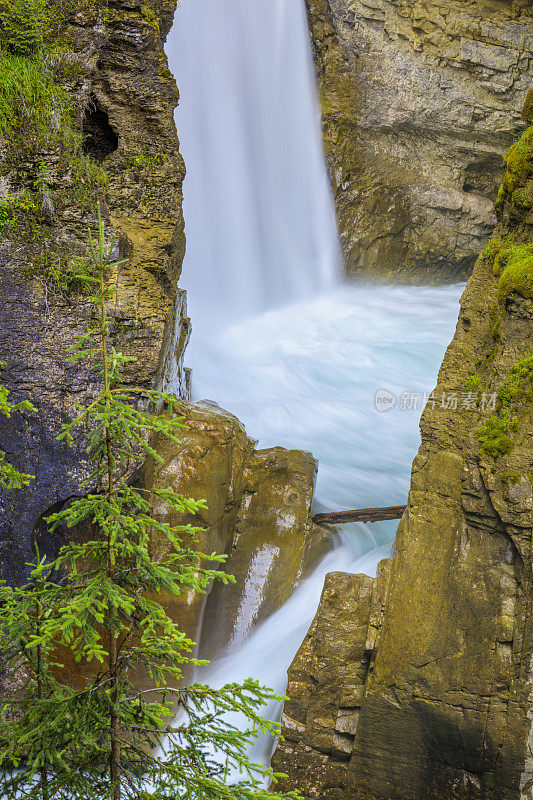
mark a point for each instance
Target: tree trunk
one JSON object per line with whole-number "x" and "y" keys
{"x": 360, "y": 515}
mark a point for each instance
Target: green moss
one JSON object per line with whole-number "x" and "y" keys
{"x": 145, "y": 161}
{"x": 496, "y": 320}
{"x": 502, "y": 194}
{"x": 495, "y": 329}
{"x": 514, "y": 265}
{"x": 491, "y": 250}
{"x": 519, "y": 384}
{"x": 523, "y": 198}
{"x": 473, "y": 382}
{"x": 527, "y": 111}
{"x": 149, "y": 16}
{"x": 518, "y": 162}
{"x": 494, "y": 434}
{"x": 510, "y": 477}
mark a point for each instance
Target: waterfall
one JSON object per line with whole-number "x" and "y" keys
{"x": 278, "y": 339}
{"x": 260, "y": 223}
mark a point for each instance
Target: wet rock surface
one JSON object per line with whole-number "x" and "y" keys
{"x": 328, "y": 682}
{"x": 419, "y": 100}
{"x": 258, "y": 513}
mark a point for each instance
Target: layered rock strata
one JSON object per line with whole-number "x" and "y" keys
{"x": 419, "y": 100}
{"x": 328, "y": 680}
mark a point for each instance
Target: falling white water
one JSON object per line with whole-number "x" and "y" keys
{"x": 260, "y": 223}
{"x": 276, "y": 338}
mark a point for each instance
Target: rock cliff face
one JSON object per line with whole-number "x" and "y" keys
{"x": 118, "y": 80}
{"x": 441, "y": 705}
{"x": 327, "y": 683}
{"x": 258, "y": 514}
{"x": 418, "y": 100}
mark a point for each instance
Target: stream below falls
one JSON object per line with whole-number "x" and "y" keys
{"x": 305, "y": 376}
{"x": 278, "y": 338}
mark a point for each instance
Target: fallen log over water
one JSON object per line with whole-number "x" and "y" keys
{"x": 360, "y": 515}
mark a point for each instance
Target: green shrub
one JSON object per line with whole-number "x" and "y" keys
{"x": 21, "y": 215}
{"x": 23, "y": 25}
{"x": 11, "y": 478}
{"x": 61, "y": 272}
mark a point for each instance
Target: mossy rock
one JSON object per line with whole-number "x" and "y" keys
{"x": 493, "y": 435}
{"x": 527, "y": 111}
{"x": 514, "y": 265}
{"x": 519, "y": 162}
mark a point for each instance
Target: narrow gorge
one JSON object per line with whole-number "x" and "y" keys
{"x": 295, "y": 232}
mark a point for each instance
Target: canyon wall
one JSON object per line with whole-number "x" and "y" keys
{"x": 419, "y": 100}
{"x": 417, "y": 685}
{"x": 123, "y": 96}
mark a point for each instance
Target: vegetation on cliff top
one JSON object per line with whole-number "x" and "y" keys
{"x": 40, "y": 129}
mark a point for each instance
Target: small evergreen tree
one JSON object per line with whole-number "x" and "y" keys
{"x": 11, "y": 478}
{"x": 116, "y": 738}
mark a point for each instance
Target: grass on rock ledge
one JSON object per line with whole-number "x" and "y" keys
{"x": 41, "y": 138}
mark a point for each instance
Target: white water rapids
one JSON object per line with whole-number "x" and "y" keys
{"x": 277, "y": 338}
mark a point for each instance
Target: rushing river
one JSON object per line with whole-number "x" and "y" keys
{"x": 278, "y": 339}
{"x": 306, "y": 376}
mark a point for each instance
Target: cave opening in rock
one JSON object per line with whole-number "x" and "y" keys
{"x": 100, "y": 140}
{"x": 482, "y": 176}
